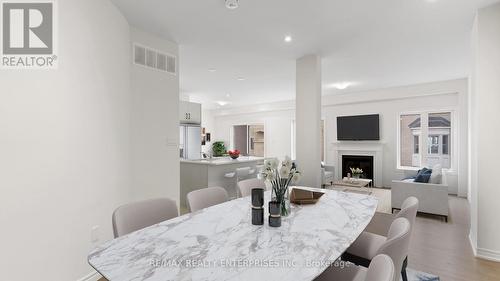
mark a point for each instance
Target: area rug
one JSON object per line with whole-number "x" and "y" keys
{"x": 414, "y": 275}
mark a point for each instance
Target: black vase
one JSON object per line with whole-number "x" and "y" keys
{"x": 257, "y": 206}
{"x": 257, "y": 197}
{"x": 274, "y": 214}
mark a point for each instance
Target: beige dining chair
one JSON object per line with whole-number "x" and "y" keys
{"x": 381, "y": 222}
{"x": 206, "y": 197}
{"x": 245, "y": 186}
{"x": 395, "y": 245}
{"x": 137, "y": 215}
{"x": 381, "y": 269}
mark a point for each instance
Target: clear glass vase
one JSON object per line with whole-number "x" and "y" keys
{"x": 282, "y": 195}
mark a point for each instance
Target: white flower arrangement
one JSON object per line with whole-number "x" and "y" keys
{"x": 356, "y": 171}
{"x": 279, "y": 176}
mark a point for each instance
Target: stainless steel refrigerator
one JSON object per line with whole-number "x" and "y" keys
{"x": 190, "y": 141}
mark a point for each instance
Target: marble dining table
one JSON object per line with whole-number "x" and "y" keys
{"x": 220, "y": 242}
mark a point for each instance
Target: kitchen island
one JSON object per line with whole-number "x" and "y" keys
{"x": 198, "y": 174}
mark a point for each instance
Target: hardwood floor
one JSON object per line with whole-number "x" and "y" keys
{"x": 443, "y": 248}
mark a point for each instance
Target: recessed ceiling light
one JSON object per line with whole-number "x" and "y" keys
{"x": 232, "y": 4}
{"x": 288, "y": 38}
{"x": 240, "y": 78}
{"x": 340, "y": 85}
{"x": 222, "y": 102}
{"x": 212, "y": 70}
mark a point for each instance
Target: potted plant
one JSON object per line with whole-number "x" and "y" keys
{"x": 218, "y": 149}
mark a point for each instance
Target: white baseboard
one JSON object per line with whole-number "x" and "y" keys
{"x": 472, "y": 245}
{"x": 93, "y": 276}
{"x": 488, "y": 254}
{"x": 484, "y": 253}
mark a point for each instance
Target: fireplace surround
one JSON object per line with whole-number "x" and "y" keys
{"x": 364, "y": 162}
{"x": 359, "y": 148}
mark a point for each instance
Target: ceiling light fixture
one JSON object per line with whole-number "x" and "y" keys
{"x": 341, "y": 86}
{"x": 212, "y": 70}
{"x": 241, "y": 78}
{"x": 222, "y": 103}
{"x": 232, "y": 4}
{"x": 288, "y": 38}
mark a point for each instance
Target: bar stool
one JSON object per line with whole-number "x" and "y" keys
{"x": 239, "y": 174}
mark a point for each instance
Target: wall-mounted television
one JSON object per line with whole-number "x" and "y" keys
{"x": 358, "y": 128}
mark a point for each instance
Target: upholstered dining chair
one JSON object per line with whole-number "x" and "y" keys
{"x": 137, "y": 215}
{"x": 206, "y": 197}
{"x": 245, "y": 186}
{"x": 381, "y": 269}
{"x": 395, "y": 245}
{"x": 381, "y": 222}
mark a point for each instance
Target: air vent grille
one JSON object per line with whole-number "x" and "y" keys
{"x": 154, "y": 59}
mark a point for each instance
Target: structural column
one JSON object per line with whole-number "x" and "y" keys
{"x": 484, "y": 191}
{"x": 308, "y": 119}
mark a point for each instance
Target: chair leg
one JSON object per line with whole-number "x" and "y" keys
{"x": 403, "y": 269}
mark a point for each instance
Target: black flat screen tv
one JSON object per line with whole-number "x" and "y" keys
{"x": 358, "y": 128}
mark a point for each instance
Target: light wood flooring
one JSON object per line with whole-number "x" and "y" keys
{"x": 443, "y": 248}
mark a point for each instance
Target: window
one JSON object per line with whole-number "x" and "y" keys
{"x": 432, "y": 130}
{"x": 446, "y": 144}
{"x": 410, "y": 140}
{"x": 415, "y": 144}
{"x": 433, "y": 145}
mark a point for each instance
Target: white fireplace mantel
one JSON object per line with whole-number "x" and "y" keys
{"x": 359, "y": 148}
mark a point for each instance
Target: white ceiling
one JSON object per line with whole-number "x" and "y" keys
{"x": 373, "y": 44}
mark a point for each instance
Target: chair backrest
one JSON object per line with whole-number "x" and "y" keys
{"x": 245, "y": 186}
{"x": 381, "y": 269}
{"x": 398, "y": 242}
{"x": 137, "y": 215}
{"x": 206, "y": 197}
{"x": 409, "y": 210}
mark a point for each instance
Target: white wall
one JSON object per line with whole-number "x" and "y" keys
{"x": 386, "y": 102}
{"x": 154, "y": 126}
{"x": 207, "y": 122}
{"x": 485, "y": 101}
{"x": 64, "y": 146}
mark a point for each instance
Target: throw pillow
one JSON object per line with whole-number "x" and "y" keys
{"x": 423, "y": 175}
{"x": 437, "y": 174}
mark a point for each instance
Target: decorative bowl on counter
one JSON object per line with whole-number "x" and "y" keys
{"x": 234, "y": 153}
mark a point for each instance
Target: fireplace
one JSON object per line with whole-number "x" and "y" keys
{"x": 364, "y": 162}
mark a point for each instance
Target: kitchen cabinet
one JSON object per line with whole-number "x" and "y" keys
{"x": 189, "y": 112}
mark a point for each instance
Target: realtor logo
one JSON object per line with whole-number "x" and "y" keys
{"x": 28, "y": 37}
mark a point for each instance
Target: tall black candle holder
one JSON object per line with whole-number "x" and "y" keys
{"x": 257, "y": 206}
{"x": 274, "y": 214}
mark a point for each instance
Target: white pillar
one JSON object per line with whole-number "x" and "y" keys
{"x": 485, "y": 134}
{"x": 308, "y": 119}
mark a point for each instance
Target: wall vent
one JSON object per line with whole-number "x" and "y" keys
{"x": 154, "y": 59}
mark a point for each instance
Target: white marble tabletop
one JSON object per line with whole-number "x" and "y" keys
{"x": 220, "y": 243}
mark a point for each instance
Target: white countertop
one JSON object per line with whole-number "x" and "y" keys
{"x": 223, "y": 160}
{"x": 214, "y": 243}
